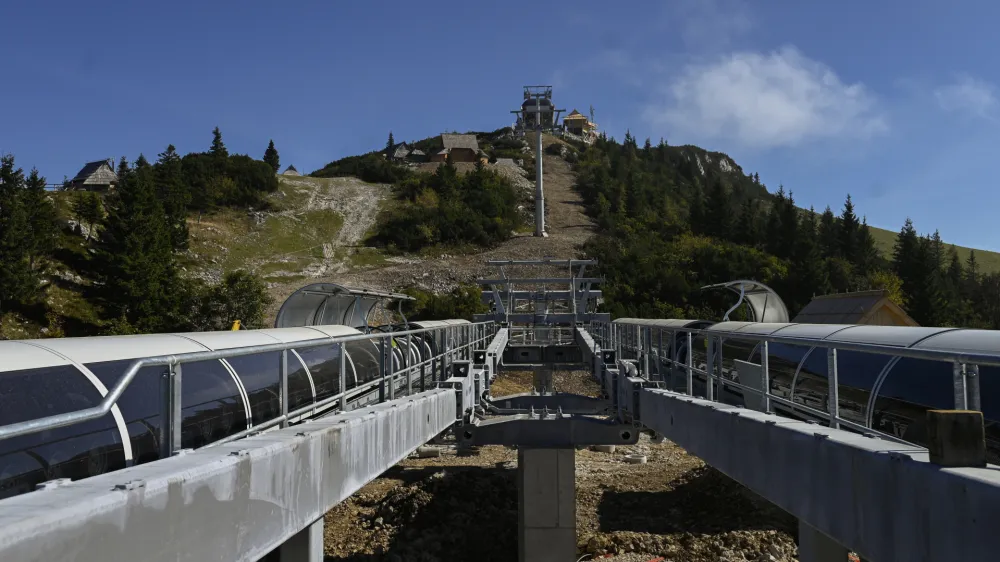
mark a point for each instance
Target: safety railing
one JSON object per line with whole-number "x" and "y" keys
{"x": 648, "y": 343}
{"x": 452, "y": 343}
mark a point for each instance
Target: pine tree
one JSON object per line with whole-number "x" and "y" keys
{"x": 904, "y": 253}
{"x": 42, "y": 221}
{"x": 789, "y": 226}
{"x": 719, "y": 221}
{"x": 18, "y": 282}
{"x": 389, "y": 145}
{"x": 174, "y": 195}
{"x": 849, "y": 227}
{"x": 747, "y": 230}
{"x": 698, "y": 214}
{"x": 218, "y": 147}
{"x": 773, "y": 228}
{"x": 937, "y": 250}
{"x": 756, "y": 178}
{"x": 89, "y": 211}
{"x": 271, "y": 155}
{"x": 808, "y": 275}
{"x": 829, "y": 234}
{"x": 137, "y": 272}
{"x": 868, "y": 256}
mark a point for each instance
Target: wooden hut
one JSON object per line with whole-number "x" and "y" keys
{"x": 95, "y": 176}
{"x": 458, "y": 148}
{"x": 291, "y": 171}
{"x": 865, "y": 307}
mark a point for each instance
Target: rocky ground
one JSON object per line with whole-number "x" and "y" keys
{"x": 465, "y": 507}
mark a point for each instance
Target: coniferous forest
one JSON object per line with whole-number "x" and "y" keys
{"x": 669, "y": 225}
{"x": 127, "y": 263}
{"x": 670, "y": 220}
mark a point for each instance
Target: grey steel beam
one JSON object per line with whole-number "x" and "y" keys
{"x": 541, "y": 280}
{"x": 237, "y": 501}
{"x": 563, "y": 295}
{"x": 883, "y": 500}
{"x": 553, "y": 431}
{"x": 543, "y": 261}
{"x": 568, "y": 403}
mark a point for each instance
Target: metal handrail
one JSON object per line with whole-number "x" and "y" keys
{"x": 619, "y": 337}
{"x": 111, "y": 398}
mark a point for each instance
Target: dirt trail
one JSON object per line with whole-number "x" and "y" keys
{"x": 568, "y": 228}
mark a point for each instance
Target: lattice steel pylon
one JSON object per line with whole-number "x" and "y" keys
{"x": 538, "y": 113}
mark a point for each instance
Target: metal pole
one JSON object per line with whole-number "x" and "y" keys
{"x": 390, "y": 359}
{"x": 409, "y": 371}
{"x": 659, "y": 354}
{"x": 972, "y": 383}
{"x": 647, "y": 344}
{"x": 381, "y": 370}
{"x": 710, "y": 370}
{"x": 170, "y": 427}
{"x": 539, "y": 191}
{"x": 343, "y": 377}
{"x": 833, "y": 386}
{"x": 690, "y": 364}
{"x": 765, "y": 376}
{"x": 958, "y": 380}
{"x": 283, "y": 370}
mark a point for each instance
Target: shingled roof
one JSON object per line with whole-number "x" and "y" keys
{"x": 852, "y": 308}
{"x": 89, "y": 169}
{"x": 460, "y": 141}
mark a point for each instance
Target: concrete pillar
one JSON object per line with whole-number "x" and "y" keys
{"x": 546, "y": 488}
{"x": 814, "y": 546}
{"x": 542, "y": 379}
{"x": 304, "y": 546}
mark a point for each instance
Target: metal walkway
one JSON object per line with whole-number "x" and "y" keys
{"x": 816, "y": 450}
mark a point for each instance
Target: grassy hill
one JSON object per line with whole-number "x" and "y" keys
{"x": 989, "y": 262}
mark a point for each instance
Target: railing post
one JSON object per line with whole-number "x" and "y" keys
{"x": 972, "y": 388}
{"x": 690, "y": 364}
{"x": 710, "y": 370}
{"x": 765, "y": 376}
{"x": 381, "y": 370}
{"x": 283, "y": 373}
{"x": 343, "y": 377}
{"x": 170, "y": 424}
{"x": 673, "y": 358}
{"x": 406, "y": 363}
{"x": 443, "y": 374}
{"x": 958, "y": 380}
{"x": 647, "y": 344}
{"x": 833, "y": 387}
{"x": 390, "y": 369}
{"x": 659, "y": 354}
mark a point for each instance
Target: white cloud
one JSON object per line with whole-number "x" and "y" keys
{"x": 967, "y": 94}
{"x": 766, "y": 100}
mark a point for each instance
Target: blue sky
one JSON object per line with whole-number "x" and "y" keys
{"x": 893, "y": 101}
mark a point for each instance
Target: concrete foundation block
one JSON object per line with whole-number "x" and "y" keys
{"x": 546, "y": 505}
{"x": 304, "y": 546}
{"x": 956, "y": 438}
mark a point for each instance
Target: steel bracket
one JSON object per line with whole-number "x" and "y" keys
{"x": 568, "y": 403}
{"x": 548, "y": 430}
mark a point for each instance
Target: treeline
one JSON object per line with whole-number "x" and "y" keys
{"x": 445, "y": 208}
{"x": 128, "y": 262}
{"x": 669, "y": 224}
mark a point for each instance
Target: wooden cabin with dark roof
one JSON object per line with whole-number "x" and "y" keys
{"x": 459, "y": 148}
{"x": 864, "y": 307}
{"x": 95, "y": 176}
